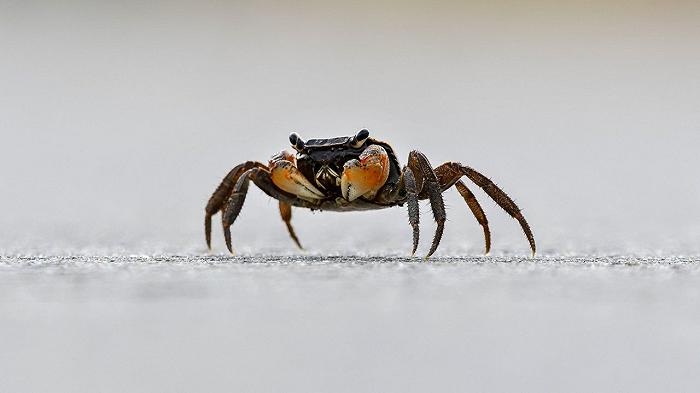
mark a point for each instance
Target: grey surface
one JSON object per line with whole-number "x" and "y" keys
{"x": 180, "y": 323}
{"x": 319, "y": 324}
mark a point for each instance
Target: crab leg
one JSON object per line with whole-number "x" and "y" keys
{"x": 286, "y": 213}
{"x": 235, "y": 204}
{"x": 449, "y": 173}
{"x": 364, "y": 177}
{"x": 222, "y": 193}
{"x": 413, "y": 210}
{"x": 262, "y": 179}
{"x": 477, "y": 211}
{"x": 427, "y": 184}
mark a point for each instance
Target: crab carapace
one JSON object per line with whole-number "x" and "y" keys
{"x": 354, "y": 173}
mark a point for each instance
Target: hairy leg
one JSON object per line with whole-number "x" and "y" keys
{"x": 413, "y": 208}
{"x": 223, "y": 192}
{"x": 449, "y": 173}
{"x": 427, "y": 184}
{"x": 262, "y": 179}
{"x": 477, "y": 211}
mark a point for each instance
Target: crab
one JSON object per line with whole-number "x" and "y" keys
{"x": 351, "y": 174}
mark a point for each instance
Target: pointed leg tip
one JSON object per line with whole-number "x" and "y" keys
{"x": 432, "y": 251}
{"x": 298, "y": 243}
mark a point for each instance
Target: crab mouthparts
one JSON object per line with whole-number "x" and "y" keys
{"x": 327, "y": 178}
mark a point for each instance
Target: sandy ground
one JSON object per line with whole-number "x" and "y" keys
{"x": 319, "y": 324}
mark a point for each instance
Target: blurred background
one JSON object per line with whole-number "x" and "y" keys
{"x": 118, "y": 119}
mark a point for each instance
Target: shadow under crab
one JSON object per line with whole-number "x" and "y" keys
{"x": 350, "y": 174}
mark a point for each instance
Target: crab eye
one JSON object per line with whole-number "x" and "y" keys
{"x": 296, "y": 141}
{"x": 360, "y": 138}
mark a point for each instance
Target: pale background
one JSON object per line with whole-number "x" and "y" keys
{"x": 119, "y": 119}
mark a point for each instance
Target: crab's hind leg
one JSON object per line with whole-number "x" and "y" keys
{"x": 223, "y": 192}
{"x": 413, "y": 208}
{"x": 477, "y": 211}
{"x": 286, "y": 213}
{"x": 449, "y": 173}
{"x": 428, "y": 185}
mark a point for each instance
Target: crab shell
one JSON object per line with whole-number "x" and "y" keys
{"x": 323, "y": 161}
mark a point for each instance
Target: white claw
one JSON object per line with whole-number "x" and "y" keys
{"x": 350, "y": 193}
{"x": 287, "y": 177}
{"x": 366, "y": 176}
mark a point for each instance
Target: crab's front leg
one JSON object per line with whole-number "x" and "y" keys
{"x": 366, "y": 176}
{"x": 287, "y": 177}
{"x": 223, "y": 192}
{"x": 262, "y": 178}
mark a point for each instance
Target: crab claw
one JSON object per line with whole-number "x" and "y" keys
{"x": 288, "y": 178}
{"x": 364, "y": 177}
{"x": 282, "y": 156}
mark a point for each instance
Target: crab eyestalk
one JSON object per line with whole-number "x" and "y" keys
{"x": 359, "y": 138}
{"x": 296, "y": 141}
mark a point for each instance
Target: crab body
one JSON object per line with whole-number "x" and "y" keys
{"x": 325, "y": 161}
{"x": 351, "y": 174}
